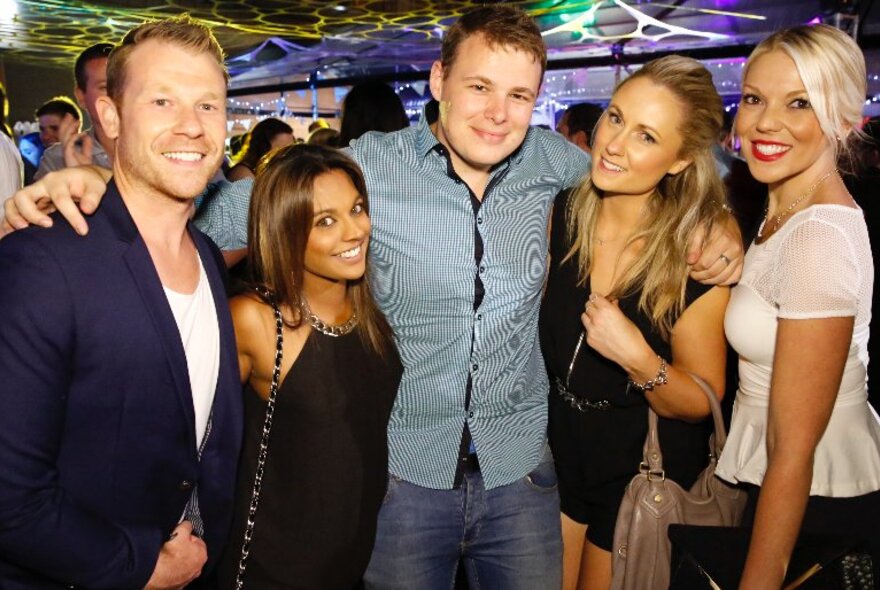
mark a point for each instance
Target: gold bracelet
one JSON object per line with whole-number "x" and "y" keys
{"x": 659, "y": 379}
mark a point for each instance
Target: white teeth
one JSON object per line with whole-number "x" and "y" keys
{"x": 769, "y": 149}
{"x": 350, "y": 253}
{"x": 611, "y": 166}
{"x": 185, "y": 156}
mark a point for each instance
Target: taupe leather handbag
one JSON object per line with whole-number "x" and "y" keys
{"x": 641, "y": 551}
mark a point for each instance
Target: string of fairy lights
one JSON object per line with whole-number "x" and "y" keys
{"x": 560, "y": 89}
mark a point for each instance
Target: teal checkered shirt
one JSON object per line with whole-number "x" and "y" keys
{"x": 423, "y": 271}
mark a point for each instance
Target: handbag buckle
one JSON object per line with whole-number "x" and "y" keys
{"x": 652, "y": 474}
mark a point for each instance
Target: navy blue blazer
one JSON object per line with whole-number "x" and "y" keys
{"x": 97, "y": 428}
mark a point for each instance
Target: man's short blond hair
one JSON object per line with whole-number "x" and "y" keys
{"x": 183, "y": 31}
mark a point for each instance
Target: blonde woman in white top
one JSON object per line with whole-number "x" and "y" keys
{"x": 802, "y": 428}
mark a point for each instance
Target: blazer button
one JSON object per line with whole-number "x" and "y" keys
{"x": 186, "y": 485}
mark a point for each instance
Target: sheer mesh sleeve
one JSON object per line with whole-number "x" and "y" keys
{"x": 820, "y": 273}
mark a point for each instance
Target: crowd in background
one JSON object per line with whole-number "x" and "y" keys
{"x": 402, "y": 389}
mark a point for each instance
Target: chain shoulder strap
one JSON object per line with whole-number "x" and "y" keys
{"x": 264, "y": 440}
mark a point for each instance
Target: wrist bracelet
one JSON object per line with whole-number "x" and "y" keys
{"x": 659, "y": 379}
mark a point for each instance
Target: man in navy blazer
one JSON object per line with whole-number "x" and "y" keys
{"x": 120, "y": 400}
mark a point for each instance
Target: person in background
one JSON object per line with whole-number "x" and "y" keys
{"x": 577, "y": 123}
{"x": 324, "y": 136}
{"x": 120, "y": 404}
{"x": 92, "y": 146}
{"x": 267, "y": 135}
{"x": 371, "y": 106}
{"x": 622, "y": 325}
{"x": 318, "y": 123}
{"x": 52, "y": 116}
{"x": 11, "y": 165}
{"x": 803, "y": 436}
{"x": 325, "y": 472}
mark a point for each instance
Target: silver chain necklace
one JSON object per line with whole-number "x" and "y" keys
{"x": 778, "y": 218}
{"x": 323, "y": 327}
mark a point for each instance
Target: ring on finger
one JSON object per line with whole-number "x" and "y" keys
{"x": 724, "y": 258}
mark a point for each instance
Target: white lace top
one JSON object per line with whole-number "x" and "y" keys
{"x": 817, "y": 265}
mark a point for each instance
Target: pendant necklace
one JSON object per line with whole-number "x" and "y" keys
{"x": 777, "y": 219}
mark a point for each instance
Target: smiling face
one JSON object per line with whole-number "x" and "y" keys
{"x": 486, "y": 99}
{"x": 637, "y": 141}
{"x": 49, "y": 129}
{"x": 781, "y": 136}
{"x": 170, "y": 125}
{"x": 337, "y": 247}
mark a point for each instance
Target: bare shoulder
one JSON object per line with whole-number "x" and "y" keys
{"x": 252, "y": 318}
{"x": 706, "y": 310}
{"x": 834, "y": 193}
{"x": 255, "y": 333}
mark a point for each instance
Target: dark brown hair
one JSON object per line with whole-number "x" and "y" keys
{"x": 279, "y": 224}
{"x": 500, "y": 25}
{"x": 259, "y": 140}
{"x": 183, "y": 31}
{"x": 96, "y": 51}
{"x": 371, "y": 106}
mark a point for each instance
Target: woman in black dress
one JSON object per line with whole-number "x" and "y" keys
{"x": 324, "y": 471}
{"x": 622, "y": 323}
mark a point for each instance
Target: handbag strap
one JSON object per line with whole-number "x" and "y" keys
{"x": 264, "y": 440}
{"x": 652, "y": 456}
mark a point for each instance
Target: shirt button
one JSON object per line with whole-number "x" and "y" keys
{"x": 479, "y": 220}
{"x": 479, "y": 316}
{"x": 185, "y": 485}
{"x": 482, "y": 269}
{"x": 470, "y": 414}
{"x": 475, "y": 366}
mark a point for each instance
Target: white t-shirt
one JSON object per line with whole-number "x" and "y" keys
{"x": 196, "y": 319}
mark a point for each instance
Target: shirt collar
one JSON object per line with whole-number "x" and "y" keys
{"x": 426, "y": 141}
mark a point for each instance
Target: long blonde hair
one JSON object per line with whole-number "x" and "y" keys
{"x": 679, "y": 204}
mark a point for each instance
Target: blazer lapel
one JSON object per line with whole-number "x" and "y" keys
{"x": 144, "y": 275}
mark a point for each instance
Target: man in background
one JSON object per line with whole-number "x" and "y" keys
{"x": 93, "y": 146}
{"x": 577, "y": 123}
{"x": 53, "y": 115}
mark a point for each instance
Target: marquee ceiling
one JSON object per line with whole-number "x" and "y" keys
{"x": 345, "y": 38}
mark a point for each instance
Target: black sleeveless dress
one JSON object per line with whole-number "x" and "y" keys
{"x": 597, "y": 452}
{"x": 326, "y": 470}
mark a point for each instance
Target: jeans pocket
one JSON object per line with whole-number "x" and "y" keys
{"x": 543, "y": 477}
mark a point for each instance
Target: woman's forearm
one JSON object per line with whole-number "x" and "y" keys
{"x": 781, "y": 505}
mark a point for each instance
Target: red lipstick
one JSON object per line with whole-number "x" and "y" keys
{"x": 763, "y": 157}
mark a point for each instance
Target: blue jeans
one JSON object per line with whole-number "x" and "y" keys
{"x": 508, "y": 538}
